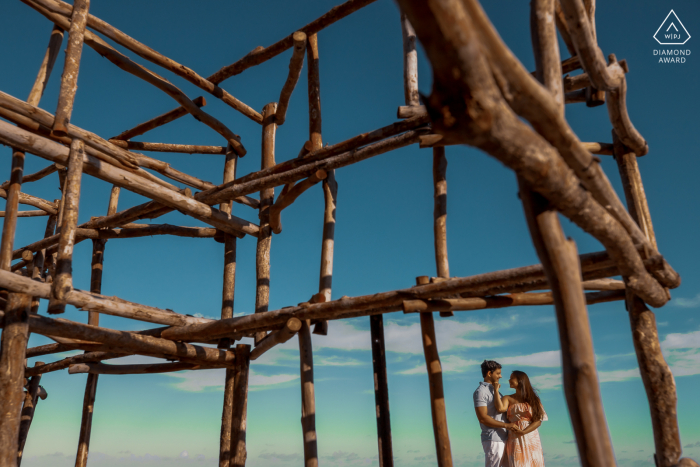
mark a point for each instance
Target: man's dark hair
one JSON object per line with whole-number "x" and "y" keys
{"x": 489, "y": 365}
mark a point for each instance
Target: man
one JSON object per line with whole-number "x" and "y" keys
{"x": 494, "y": 425}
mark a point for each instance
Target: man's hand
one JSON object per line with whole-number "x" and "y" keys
{"x": 513, "y": 427}
{"x": 496, "y": 386}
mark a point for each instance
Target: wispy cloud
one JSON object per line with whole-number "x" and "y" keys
{"x": 211, "y": 380}
{"x": 682, "y": 352}
{"x": 554, "y": 381}
{"x": 547, "y": 359}
{"x": 690, "y": 340}
{"x": 450, "y": 364}
{"x": 686, "y": 302}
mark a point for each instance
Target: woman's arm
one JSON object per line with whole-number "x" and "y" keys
{"x": 501, "y": 405}
{"x": 531, "y": 427}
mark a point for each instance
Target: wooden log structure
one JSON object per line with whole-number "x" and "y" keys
{"x": 482, "y": 96}
{"x": 381, "y": 392}
{"x": 166, "y": 147}
{"x": 12, "y": 351}
{"x": 63, "y": 280}
{"x": 160, "y": 120}
{"x": 31, "y": 398}
{"x": 295, "y": 65}
{"x": 69, "y": 79}
{"x": 267, "y": 198}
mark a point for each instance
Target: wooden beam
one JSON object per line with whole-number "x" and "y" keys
{"x": 12, "y": 206}
{"x": 36, "y": 176}
{"x": 69, "y": 79}
{"x": 262, "y": 54}
{"x": 381, "y": 392}
{"x": 267, "y": 198}
{"x": 42, "y": 78}
{"x": 581, "y": 388}
{"x": 295, "y": 65}
{"x": 168, "y": 147}
{"x": 437, "y": 395}
{"x": 325, "y": 280}
{"x": 63, "y": 280}
{"x": 13, "y": 346}
{"x": 158, "y": 121}
{"x": 291, "y": 327}
{"x": 31, "y": 398}
{"x": 239, "y": 423}
{"x": 29, "y": 200}
{"x": 286, "y": 198}
{"x": 143, "y": 369}
{"x": 412, "y": 111}
{"x": 410, "y": 64}
{"x": 440, "y": 216}
{"x": 308, "y": 398}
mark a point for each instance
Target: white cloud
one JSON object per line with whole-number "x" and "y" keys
{"x": 548, "y": 359}
{"x": 690, "y": 340}
{"x": 682, "y": 352}
{"x": 618, "y": 375}
{"x": 554, "y": 381}
{"x": 203, "y": 380}
{"x": 545, "y": 382}
{"x": 687, "y": 302}
{"x": 450, "y": 364}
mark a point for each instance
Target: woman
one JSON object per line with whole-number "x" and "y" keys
{"x": 523, "y": 448}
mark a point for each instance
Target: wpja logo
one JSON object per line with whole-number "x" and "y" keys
{"x": 672, "y": 32}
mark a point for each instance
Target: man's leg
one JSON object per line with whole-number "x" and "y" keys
{"x": 493, "y": 452}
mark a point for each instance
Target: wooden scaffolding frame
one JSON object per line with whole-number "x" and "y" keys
{"x": 481, "y": 96}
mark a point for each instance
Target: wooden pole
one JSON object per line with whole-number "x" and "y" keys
{"x": 31, "y": 398}
{"x": 238, "y": 449}
{"x": 656, "y": 375}
{"x": 381, "y": 392}
{"x": 98, "y": 250}
{"x": 11, "y": 207}
{"x": 288, "y": 196}
{"x": 24, "y": 198}
{"x": 167, "y": 147}
{"x": 437, "y": 395}
{"x": 581, "y": 388}
{"x": 160, "y": 120}
{"x": 295, "y": 65}
{"x": 63, "y": 281}
{"x": 69, "y": 80}
{"x": 440, "y": 216}
{"x": 227, "y": 298}
{"x": 410, "y": 63}
{"x": 325, "y": 282}
{"x": 13, "y": 346}
{"x": 42, "y": 78}
{"x": 36, "y": 176}
{"x": 308, "y": 399}
{"x": 291, "y": 327}
{"x": 27, "y": 213}
{"x": 314, "y": 85}
{"x": 267, "y": 198}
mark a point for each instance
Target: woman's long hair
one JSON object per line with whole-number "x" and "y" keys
{"x": 529, "y": 395}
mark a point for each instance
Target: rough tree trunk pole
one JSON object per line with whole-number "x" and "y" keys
{"x": 31, "y": 398}
{"x": 440, "y": 216}
{"x": 69, "y": 80}
{"x": 410, "y": 63}
{"x": 656, "y": 375}
{"x": 437, "y": 393}
{"x": 11, "y": 208}
{"x": 581, "y": 387}
{"x": 308, "y": 398}
{"x": 13, "y": 348}
{"x": 227, "y": 296}
{"x": 238, "y": 449}
{"x": 381, "y": 392}
{"x": 97, "y": 266}
{"x": 63, "y": 280}
{"x": 267, "y": 198}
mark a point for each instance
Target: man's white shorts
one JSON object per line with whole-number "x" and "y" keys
{"x": 493, "y": 451}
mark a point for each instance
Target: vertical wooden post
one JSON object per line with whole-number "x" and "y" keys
{"x": 410, "y": 63}
{"x": 11, "y": 207}
{"x": 656, "y": 375}
{"x": 381, "y": 392}
{"x": 63, "y": 282}
{"x": 98, "y": 249}
{"x": 238, "y": 449}
{"x": 308, "y": 398}
{"x": 560, "y": 261}
{"x": 314, "y": 84}
{"x": 31, "y": 398}
{"x": 13, "y": 347}
{"x": 69, "y": 80}
{"x": 39, "y": 265}
{"x": 440, "y": 215}
{"x": 437, "y": 394}
{"x": 227, "y": 296}
{"x": 267, "y": 198}
{"x": 545, "y": 45}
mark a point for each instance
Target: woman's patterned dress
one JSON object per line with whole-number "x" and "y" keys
{"x": 522, "y": 450}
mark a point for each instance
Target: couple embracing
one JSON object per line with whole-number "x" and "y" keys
{"x": 509, "y": 424}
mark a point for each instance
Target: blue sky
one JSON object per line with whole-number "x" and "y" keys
{"x": 383, "y": 241}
